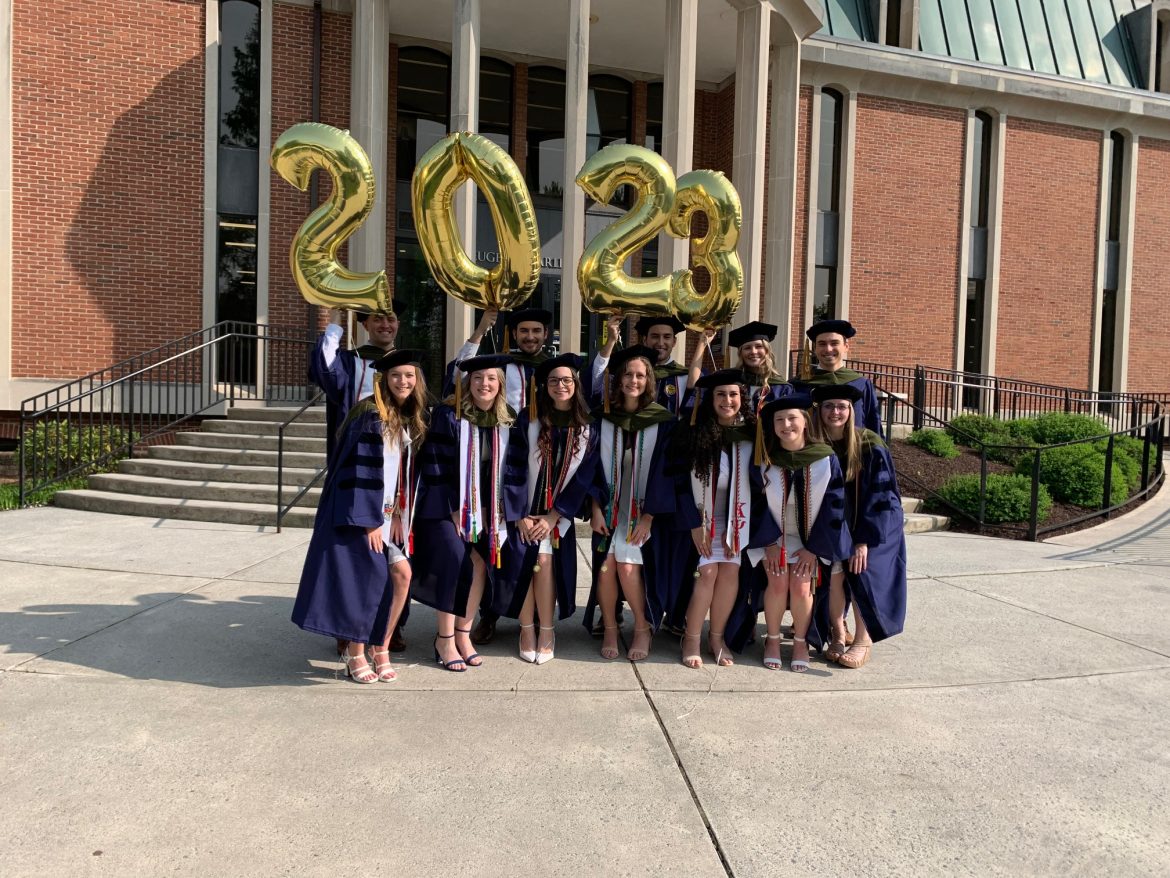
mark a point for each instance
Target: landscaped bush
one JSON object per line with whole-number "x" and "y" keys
{"x": 1127, "y": 454}
{"x": 1076, "y": 474}
{"x": 55, "y": 447}
{"x": 998, "y": 436}
{"x": 934, "y": 442}
{"x": 1057, "y": 427}
{"x": 1008, "y": 498}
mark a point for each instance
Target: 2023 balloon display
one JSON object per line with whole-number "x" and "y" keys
{"x": 663, "y": 203}
{"x": 318, "y": 274}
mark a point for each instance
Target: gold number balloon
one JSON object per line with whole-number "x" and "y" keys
{"x": 320, "y": 277}
{"x": 445, "y": 167}
{"x": 711, "y": 193}
{"x": 662, "y": 202}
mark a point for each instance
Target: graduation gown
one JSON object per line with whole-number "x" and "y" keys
{"x": 866, "y": 411}
{"x": 573, "y": 500}
{"x": 826, "y": 536}
{"x": 664, "y": 553}
{"x": 346, "y": 377}
{"x": 344, "y": 590}
{"x": 873, "y": 512}
{"x": 670, "y": 377}
{"x": 441, "y": 567}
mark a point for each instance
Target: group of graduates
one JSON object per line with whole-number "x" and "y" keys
{"x": 711, "y": 495}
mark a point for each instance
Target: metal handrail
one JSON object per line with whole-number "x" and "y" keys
{"x": 111, "y": 410}
{"x": 282, "y": 510}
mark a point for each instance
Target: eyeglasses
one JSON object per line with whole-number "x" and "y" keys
{"x": 836, "y": 406}
{"x": 562, "y": 382}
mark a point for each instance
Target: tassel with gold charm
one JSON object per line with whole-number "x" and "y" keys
{"x": 532, "y": 397}
{"x": 804, "y": 361}
{"x": 507, "y": 340}
{"x": 458, "y": 395}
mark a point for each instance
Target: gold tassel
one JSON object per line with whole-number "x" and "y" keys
{"x": 380, "y": 401}
{"x": 605, "y": 390}
{"x": 804, "y": 361}
{"x": 758, "y": 451}
{"x": 726, "y": 352}
{"x": 458, "y": 395}
{"x": 695, "y": 407}
{"x": 507, "y": 340}
{"x": 532, "y": 397}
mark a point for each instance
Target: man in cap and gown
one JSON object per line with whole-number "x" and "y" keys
{"x": 830, "y": 348}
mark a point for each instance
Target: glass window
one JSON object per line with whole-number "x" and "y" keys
{"x": 654, "y": 92}
{"x": 1116, "y": 181}
{"x": 607, "y": 112}
{"x": 495, "y": 101}
{"x": 893, "y": 23}
{"x": 546, "y": 131}
{"x": 829, "y": 153}
{"x": 424, "y": 104}
{"x": 424, "y": 323}
{"x": 981, "y": 170}
{"x": 1112, "y": 248}
{"x": 824, "y": 292}
{"x": 239, "y": 73}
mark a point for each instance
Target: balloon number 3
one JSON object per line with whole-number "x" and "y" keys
{"x": 318, "y": 274}
{"x": 446, "y": 166}
{"x": 662, "y": 203}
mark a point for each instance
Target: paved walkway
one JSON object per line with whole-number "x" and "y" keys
{"x": 160, "y": 714}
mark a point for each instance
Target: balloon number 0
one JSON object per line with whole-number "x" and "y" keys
{"x": 318, "y": 274}
{"x": 662, "y": 203}
{"x": 444, "y": 167}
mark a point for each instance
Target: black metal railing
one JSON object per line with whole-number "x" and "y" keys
{"x": 1151, "y": 432}
{"x": 281, "y": 509}
{"x": 88, "y": 424}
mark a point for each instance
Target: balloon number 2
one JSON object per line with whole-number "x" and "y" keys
{"x": 662, "y": 203}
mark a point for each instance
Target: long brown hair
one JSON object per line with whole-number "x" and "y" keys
{"x": 578, "y": 416}
{"x": 852, "y": 441}
{"x": 649, "y": 393}
{"x": 409, "y": 415}
{"x": 769, "y": 364}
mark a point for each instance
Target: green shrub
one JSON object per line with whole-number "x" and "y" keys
{"x": 1076, "y": 474}
{"x": 1008, "y": 498}
{"x": 53, "y": 448}
{"x": 934, "y": 442}
{"x": 1127, "y": 454}
{"x": 984, "y": 428}
{"x": 1057, "y": 427}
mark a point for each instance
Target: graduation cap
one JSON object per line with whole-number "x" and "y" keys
{"x": 394, "y": 359}
{"x": 823, "y": 392}
{"x": 797, "y": 400}
{"x": 720, "y": 378}
{"x": 571, "y": 361}
{"x": 754, "y": 331}
{"x": 644, "y": 324}
{"x": 618, "y": 361}
{"x": 477, "y": 364}
{"x": 842, "y": 327}
{"x": 397, "y": 306}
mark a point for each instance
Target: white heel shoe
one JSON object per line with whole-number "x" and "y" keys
{"x": 529, "y": 655}
{"x": 541, "y": 655}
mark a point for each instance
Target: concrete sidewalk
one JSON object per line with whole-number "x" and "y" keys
{"x": 159, "y": 713}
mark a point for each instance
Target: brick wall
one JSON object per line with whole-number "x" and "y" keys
{"x": 1048, "y": 252}
{"x": 1149, "y": 342}
{"x": 107, "y": 152}
{"x": 907, "y": 229}
{"x": 804, "y": 155}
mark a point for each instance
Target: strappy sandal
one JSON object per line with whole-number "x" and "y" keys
{"x": 541, "y": 655}
{"x": 362, "y": 674}
{"x": 469, "y": 660}
{"x": 723, "y": 655}
{"x": 696, "y": 659}
{"x": 528, "y": 655}
{"x": 606, "y": 650}
{"x": 849, "y": 660}
{"x": 386, "y": 673}
{"x": 835, "y": 649}
{"x": 445, "y": 665}
{"x": 798, "y": 666}
{"x": 632, "y": 654}
{"x": 773, "y": 663}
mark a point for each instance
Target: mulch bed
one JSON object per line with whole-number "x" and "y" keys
{"x": 919, "y": 472}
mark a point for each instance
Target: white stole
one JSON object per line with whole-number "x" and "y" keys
{"x": 739, "y": 484}
{"x": 474, "y": 524}
{"x": 818, "y": 473}
{"x": 363, "y": 379}
{"x": 613, "y": 440}
{"x": 391, "y": 464}
{"x": 534, "y": 462}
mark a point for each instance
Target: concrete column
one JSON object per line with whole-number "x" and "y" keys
{"x": 369, "y": 122}
{"x": 751, "y": 99}
{"x": 464, "y": 117}
{"x": 784, "y": 121}
{"x": 678, "y": 112}
{"x": 573, "y": 209}
{"x": 211, "y": 159}
{"x": 1125, "y": 267}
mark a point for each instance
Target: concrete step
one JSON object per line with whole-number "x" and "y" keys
{"x": 255, "y": 514}
{"x": 250, "y": 443}
{"x": 313, "y": 415}
{"x": 263, "y": 428}
{"x": 231, "y": 492}
{"x": 922, "y": 522}
{"x": 236, "y": 457}
{"x": 215, "y": 472}
{"x": 911, "y": 504}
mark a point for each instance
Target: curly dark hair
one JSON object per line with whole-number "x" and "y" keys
{"x": 702, "y": 443}
{"x": 579, "y": 416}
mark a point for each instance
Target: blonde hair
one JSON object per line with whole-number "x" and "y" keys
{"x": 769, "y": 362}
{"x": 410, "y": 415}
{"x": 772, "y": 441}
{"x": 852, "y": 440}
{"x": 467, "y": 406}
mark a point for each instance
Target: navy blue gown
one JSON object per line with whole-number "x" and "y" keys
{"x": 874, "y": 516}
{"x": 573, "y": 501}
{"x": 345, "y": 586}
{"x": 441, "y": 567}
{"x": 826, "y": 537}
{"x": 338, "y": 382}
